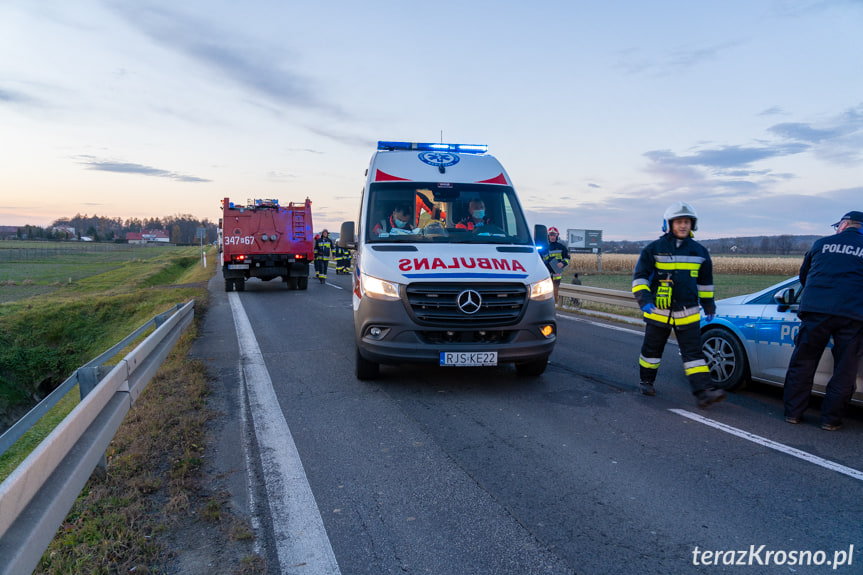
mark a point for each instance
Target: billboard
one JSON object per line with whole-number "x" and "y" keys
{"x": 584, "y": 240}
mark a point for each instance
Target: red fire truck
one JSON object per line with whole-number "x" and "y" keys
{"x": 265, "y": 240}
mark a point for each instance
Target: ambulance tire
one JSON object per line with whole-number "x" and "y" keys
{"x": 726, "y": 358}
{"x": 229, "y": 285}
{"x": 531, "y": 368}
{"x": 303, "y": 283}
{"x": 240, "y": 284}
{"x": 365, "y": 369}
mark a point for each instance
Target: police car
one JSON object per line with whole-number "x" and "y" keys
{"x": 752, "y": 337}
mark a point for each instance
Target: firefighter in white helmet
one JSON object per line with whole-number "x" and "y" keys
{"x": 674, "y": 274}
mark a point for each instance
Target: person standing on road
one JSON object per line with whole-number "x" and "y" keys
{"x": 831, "y": 305}
{"x": 323, "y": 250}
{"x": 674, "y": 274}
{"x": 556, "y": 259}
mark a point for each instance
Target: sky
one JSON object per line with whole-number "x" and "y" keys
{"x": 602, "y": 113}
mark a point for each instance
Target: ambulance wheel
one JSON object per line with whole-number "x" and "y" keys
{"x": 725, "y": 358}
{"x": 531, "y": 368}
{"x": 229, "y": 285}
{"x": 240, "y": 284}
{"x": 366, "y": 369}
{"x": 303, "y": 283}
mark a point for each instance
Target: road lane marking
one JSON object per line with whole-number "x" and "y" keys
{"x": 640, "y": 333}
{"x": 772, "y": 444}
{"x": 300, "y": 537}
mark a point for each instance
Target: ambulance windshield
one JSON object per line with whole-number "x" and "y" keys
{"x": 445, "y": 212}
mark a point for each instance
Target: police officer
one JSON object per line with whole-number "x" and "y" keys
{"x": 831, "y": 305}
{"x": 323, "y": 249}
{"x": 556, "y": 259}
{"x": 674, "y": 274}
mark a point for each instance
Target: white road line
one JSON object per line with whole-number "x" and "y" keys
{"x": 301, "y": 541}
{"x": 772, "y": 444}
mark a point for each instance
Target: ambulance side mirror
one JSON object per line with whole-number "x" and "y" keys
{"x": 346, "y": 236}
{"x": 540, "y": 238}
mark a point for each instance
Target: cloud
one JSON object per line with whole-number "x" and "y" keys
{"x": 130, "y": 168}
{"x": 674, "y": 62}
{"x": 725, "y": 157}
{"x": 244, "y": 61}
{"x": 15, "y": 97}
{"x": 837, "y": 140}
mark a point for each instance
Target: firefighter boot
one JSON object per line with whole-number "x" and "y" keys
{"x": 646, "y": 388}
{"x": 707, "y": 396}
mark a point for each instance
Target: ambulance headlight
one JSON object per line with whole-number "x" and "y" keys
{"x": 378, "y": 288}
{"x": 542, "y": 290}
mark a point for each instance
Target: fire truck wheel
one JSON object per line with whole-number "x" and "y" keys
{"x": 240, "y": 284}
{"x": 293, "y": 283}
{"x": 303, "y": 283}
{"x": 229, "y": 285}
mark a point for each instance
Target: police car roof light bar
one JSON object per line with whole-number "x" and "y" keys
{"x": 432, "y": 146}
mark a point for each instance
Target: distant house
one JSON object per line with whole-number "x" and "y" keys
{"x": 156, "y": 236}
{"x": 148, "y": 236}
{"x": 68, "y": 231}
{"x": 7, "y": 232}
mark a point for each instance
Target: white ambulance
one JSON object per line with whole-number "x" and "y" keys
{"x": 447, "y": 271}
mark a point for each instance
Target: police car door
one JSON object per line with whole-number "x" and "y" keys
{"x": 777, "y": 328}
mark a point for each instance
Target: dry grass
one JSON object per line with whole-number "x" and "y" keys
{"x": 721, "y": 264}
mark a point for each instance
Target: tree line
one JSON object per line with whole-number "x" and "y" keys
{"x": 181, "y": 228}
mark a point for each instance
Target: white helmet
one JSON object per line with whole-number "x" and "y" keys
{"x": 679, "y": 210}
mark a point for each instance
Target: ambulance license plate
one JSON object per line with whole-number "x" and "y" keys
{"x": 468, "y": 359}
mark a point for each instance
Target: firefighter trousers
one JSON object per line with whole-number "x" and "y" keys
{"x": 812, "y": 338}
{"x": 689, "y": 342}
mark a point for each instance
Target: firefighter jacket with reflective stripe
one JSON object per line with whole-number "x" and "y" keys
{"x": 556, "y": 251}
{"x": 832, "y": 276}
{"x": 675, "y": 276}
{"x": 324, "y": 247}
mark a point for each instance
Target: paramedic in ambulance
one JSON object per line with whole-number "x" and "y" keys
{"x": 673, "y": 275}
{"x": 477, "y": 217}
{"x": 831, "y": 305}
{"x": 399, "y": 222}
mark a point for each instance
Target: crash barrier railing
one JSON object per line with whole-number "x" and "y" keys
{"x": 38, "y": 494}
{"x": 600, "y": 295}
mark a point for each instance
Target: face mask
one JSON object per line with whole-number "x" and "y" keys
{"x": 478, "y": 214}
{"x": 399, "y": 223}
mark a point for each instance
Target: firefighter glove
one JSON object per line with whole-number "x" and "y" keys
{"x": 663, "y": 295}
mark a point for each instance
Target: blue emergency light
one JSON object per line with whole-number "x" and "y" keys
{"x": 432, "y": 146}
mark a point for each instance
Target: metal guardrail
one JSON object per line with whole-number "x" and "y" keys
{"x": 600, "y": 295}
{"x": 38, "y": 494}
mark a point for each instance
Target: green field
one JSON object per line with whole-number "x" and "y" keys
{"x": 725, "y": 285}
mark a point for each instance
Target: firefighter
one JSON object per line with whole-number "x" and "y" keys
{"x": 556, "y": 259}
{"x": 673, "y": 275}
{"x": 323, "y": 250}
{"x": 343, "y": 260}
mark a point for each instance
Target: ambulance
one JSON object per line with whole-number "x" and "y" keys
{"x": 447, "y": 271}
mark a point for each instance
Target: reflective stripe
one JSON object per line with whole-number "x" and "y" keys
{"x": 682, "y": 259}
{"x": 685, "y": 316}
{"x": 698, "y": 366}
{"x": 671, "y": 266}
{"x": 705, "y": 295}
{"x": 638, "y": 288}
{"x": 649, "y": 362}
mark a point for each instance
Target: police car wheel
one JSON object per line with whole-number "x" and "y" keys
{"x": 726, "y": 358}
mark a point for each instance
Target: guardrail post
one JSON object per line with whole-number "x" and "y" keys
{"x": 88, "y": 377}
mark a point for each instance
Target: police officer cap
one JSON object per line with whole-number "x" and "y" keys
{"x": 853, "y": 216}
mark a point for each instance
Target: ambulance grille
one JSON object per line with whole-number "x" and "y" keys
{"x": 437, "y": 304}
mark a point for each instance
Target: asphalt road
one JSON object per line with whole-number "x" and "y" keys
{"x": 468, "y": 470}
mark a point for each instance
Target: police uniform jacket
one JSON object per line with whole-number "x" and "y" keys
{"x": 690, "y": 270}
{"x": 832, "y": 275}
